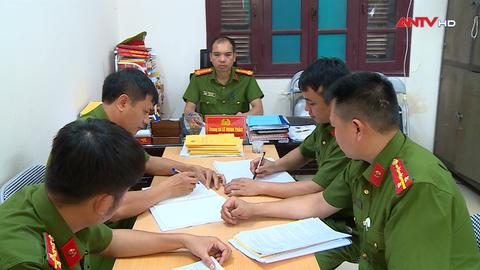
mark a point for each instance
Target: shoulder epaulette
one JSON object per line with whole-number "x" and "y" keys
{"x": 401, "y": 179}
{"x": 244, "y": 71}
{"x": 52, "y": 252}
{"x": 203, "y": 71}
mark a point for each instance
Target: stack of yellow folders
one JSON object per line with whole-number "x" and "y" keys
{"x": 213, "y": 144}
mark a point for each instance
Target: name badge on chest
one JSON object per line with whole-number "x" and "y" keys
{"x": 209, "y": 94}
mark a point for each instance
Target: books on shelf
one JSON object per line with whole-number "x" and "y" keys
{"x": 201, "y": 206}
{"x": 290, "y": 240}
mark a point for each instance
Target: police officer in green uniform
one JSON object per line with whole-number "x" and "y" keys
{"x": 58, "y": 225}
{"x": 407, "y": 208}
{"x": 321, "y": 146}
{"x": 223, "y": 89}
{"x": 127, "y": 96}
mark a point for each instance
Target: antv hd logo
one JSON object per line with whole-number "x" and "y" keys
{"x": 424, "y": 22}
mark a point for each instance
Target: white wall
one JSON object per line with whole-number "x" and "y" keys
{"x": 177, "y": 33}
{"x": 176, "y": 30}
{"x": 54, "y": 56}
{"x": 425, "y": 64}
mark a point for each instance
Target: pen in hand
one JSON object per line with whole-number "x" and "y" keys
{"x": 258, "y": 166}
{"x": 175, "y": 171}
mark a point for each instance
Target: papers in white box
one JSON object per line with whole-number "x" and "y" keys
{"x": 288, "y": 240}
{"x": 200, "y": 266}
{"x": 241, "y": 168}
{"x": 300, "y": 133}
{"x": 199, "y": 207}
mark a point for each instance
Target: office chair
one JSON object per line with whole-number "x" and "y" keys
{"x": 476, "y": 226}
{"x": 205, "y": 59}
{"x": 32, "y": 175}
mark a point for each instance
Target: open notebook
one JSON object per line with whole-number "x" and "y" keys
{"x": 241, "y": 168}
{"x": 285, "y": 241}
{"x": 201, "y": 206}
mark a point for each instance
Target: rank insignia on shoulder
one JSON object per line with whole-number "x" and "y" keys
{"x": 244, "y": 71}
{"x": 203, "y": 71}
{"x": 401, "y": 179}
{"x": 70, "y": 253}
{"x": 52, "y": 252}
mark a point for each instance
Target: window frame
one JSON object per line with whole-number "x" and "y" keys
{"x": 356, "y": 38}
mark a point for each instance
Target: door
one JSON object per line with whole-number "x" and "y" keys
{"x": 467, "y": 157}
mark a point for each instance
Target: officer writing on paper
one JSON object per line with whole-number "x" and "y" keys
{"x": 128, "y": 95}
{"x": 321, "y": 146}
{"x": 407, "y": 208}
{"x": 223, "y": 88}
{"x": 59, "y": 224}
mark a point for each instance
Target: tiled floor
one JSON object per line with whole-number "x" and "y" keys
{"x": 472, "y": 199}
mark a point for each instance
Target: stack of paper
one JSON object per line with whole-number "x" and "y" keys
{"x": 241, "y": 168}
{"x": 201, "y": 206}
{"x": 300, "y": 133}
{"x": 267, "y": 128}
{"x": 200, "y": 266}
{"x": 213, "y": 145}
{"x": 289, "y": 240}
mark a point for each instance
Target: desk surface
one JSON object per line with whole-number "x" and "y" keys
{"x": 225, "y": 232}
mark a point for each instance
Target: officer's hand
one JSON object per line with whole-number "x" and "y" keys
{"x": 205, "y": 246}
{"x": 209, "y": 177}
{"x": 243, "y": 187}
{"x": 180, "y": 184}
{"x": 266, "y": 168}
{"x": 235, "y": 209}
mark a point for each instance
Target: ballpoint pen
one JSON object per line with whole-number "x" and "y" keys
{"x": 175, "y": 171}
{"x": 258, "y": 166}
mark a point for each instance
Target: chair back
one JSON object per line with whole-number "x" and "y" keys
{"x": 32, "y": 175}
{"x": 476, "y": 226}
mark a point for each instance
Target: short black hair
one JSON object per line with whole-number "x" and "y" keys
{"x": 224, "y": 39}
{"x": 91, "y": 157}
{"x": 366, "y": 95}
{"x": 129, "y": 81}
{"x": 321, "y": 74}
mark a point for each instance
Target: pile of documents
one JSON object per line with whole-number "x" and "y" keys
{"x": 201, "y": 206}
{"x": 136, "y": 57}
{"x": 267, "y": 128}
{"x": 294, "y": 239}
{"x": 241, "y": 168}
{"x": 213, "y": 145}
{"x": 132, "y": 53}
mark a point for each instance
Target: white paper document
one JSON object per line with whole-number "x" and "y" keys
{"x": 300, "y": 133}
{"x": 200, "y": 266}
{"x": 241, "y": 168}
{"x": 199, "y": 207}
{"x": 288, "y": 240}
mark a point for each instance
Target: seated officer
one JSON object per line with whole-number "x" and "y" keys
{"x": 407, "y": 208}
{"x": 58, "y": 224}
{"x": 223, "y": 89}
{"x": 128, "y": 95}
{"x": 321, "y": 146}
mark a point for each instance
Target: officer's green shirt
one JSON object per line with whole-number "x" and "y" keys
{"x": 99, "y": 113}
{"x": 214, "y": 98}
{"x": 26, "y": 216}
{"x": 322, "y": 146}
{"x": 424, "y": 226}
